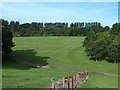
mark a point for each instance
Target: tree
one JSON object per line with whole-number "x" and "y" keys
{"x": 104, "y": 45}
{"x": 7, "y": 36}
{"x": 106, "y": 28}
{"x": 113, "y": 50}
{"x": 89, "y": 38}
{"x": 12, "y": 26}
{"x": 97, "y": 28}
{"x": 116, "y": 28}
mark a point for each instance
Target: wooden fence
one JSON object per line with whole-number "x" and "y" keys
{"x": 70, "y": 82}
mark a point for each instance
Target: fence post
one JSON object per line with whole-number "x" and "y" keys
{"x": 63, "y": 79}
{"x": 68, "y": 83}
{"x": 87, "y": 76}
{"x": 75, "y": 80}
{"x": 53, "y": 86}
{"x": 53, "y": 83}
{"x": 72, "y": 83}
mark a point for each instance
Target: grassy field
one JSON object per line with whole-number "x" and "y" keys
{"x": 62, "y": 52}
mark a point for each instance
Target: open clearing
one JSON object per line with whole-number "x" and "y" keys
{"x": 61, "y": 52}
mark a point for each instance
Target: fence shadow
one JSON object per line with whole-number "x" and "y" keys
{"x": 18, "y": 58}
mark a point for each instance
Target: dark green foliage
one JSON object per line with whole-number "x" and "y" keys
{"x": 97, "y": 28}
{"x": 7, "y": 36}
{"x": 53, "y": 29}
{"x": 113, "y": 50}
{"x": 116, "y": 28}
{"x": 106, "y": 28}
{"x": 103, "y": 45}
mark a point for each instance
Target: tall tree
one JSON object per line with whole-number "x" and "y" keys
{"x": 7, "y": 36}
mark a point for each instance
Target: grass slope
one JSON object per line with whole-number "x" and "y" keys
{"x": 63, "y": 52}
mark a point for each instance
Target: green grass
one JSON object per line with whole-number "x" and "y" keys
{"x": 63, "y": 52}
{"x": 100, "y": 82}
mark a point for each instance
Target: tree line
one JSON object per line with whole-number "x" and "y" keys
{"x": 101, "y": 43}
{"x": 104, "y": 45}
{"x": 53, "y": 29}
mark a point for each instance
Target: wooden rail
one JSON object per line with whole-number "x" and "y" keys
{"x": 70, "y": 82}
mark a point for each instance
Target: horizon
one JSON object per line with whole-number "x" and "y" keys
{"x": 68, "y": 12}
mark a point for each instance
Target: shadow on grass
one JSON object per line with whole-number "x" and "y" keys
{"x": 20, "y": 56}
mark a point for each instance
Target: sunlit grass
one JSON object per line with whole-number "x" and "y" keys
{"x": 63, "y": 52}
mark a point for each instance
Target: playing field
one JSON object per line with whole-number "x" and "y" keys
{"x": 62, "y": 52}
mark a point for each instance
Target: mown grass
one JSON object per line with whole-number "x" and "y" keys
{"x": 62, "y": 52}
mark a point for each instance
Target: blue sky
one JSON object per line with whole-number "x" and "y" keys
{"x": 104, "y": 12}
